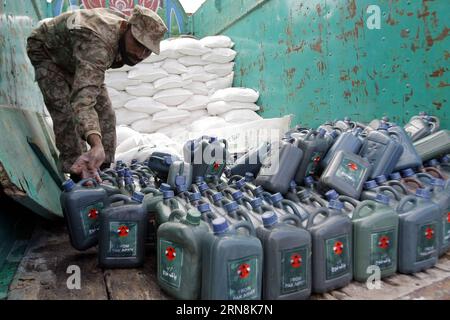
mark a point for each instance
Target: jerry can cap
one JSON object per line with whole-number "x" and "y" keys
{"x": 249, "y": 177}
{"x": 381, "y": 179}
{"x": 121, "y": 172}
{"x": 220, "y": 225}
{"x": 168, "y": 194}
{"x": 222, "y": 186}
{"x": 180, "y": 180}
{"x": 335, "y": 204}
{"x": 385, "y": 119}
{"x": 199, "y": 179}
{"x": 382, "y": 198}
{"x": 119, "y": 163}
{"x": 276, "y": 198}
{"x": 269, "y": 219}
{"x": 165, "y": 187}
{"x": 395, "y": 176}
{"x": 203, "y": 187}
{"x": 433, "y": 163}
{"x": 256, "y": 203}
{"x": 217, "y": 197}
{"x": 408, "y": 172}
{"x": 258, "y": 191}
{"x": 231, "y": 206}
{"x": 423, "y": 193}
{"x": 181, "y": 188}
{"x": 358, "y": 130}
{"x": 204, "y": 207}
{"x": 347, "y": 119}
{"x": 322, "y": 132}
{"x": 370, "y": 184}
{"x": 68, "y": 185}
{"x": 333, "y": 134}
{"x": 293, "y": 184}
{"x": 383, "y": 126}
{"x": 134, "y": 161}
{"x": 445, "y": 159}
{"x": 332, "y": 195}
{"x": 195, "y": 197}
{"x": 237, "y": 195}
{"x": 138, "y": 197}
{"x": 308, "y": 180}
{"x": 240, "y": 183}
{"x": 193, "y": 217}
{"x": 437, "y": 182}
{"x": 168, "y": 160}
{"x": 213, "y": 139}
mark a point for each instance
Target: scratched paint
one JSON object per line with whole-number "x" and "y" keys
{"x": 341, "y": 67}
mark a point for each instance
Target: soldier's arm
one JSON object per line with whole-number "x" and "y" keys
{"x": 93, "y": 57}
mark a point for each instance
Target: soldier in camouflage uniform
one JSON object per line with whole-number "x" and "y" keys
{"x": 70, "y": 54}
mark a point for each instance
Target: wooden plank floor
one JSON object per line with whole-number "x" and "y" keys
{"x": 42, "y": 275}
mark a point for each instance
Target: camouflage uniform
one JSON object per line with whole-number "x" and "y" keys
{"x": 70, "y": 54}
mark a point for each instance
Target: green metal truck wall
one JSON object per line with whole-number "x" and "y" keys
{"x": 24, "y": 174}
{"x": 318, "y": 59}
{"x": 171, "y": 11}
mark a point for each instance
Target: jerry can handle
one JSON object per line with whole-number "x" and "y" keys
{"x": 136, "y": 173}
{"x": 364, "y": 204}
{"x": 234, "y": 178}
{"x": 439, "y": 174}
{"x": 245, "y": 225}
{"x": 111, "y": 172}
{"x": 119, "y": 197}
{"x": 293, "y": 218}
{"x": 398, "y": 184}
{"x": 84, "y": 181}
{"x": 174, "y": 204}
{"x": 149, "y": 190}
{"x": 425, "y": 176}
{"x": 323, "y": 211}
{"x": 347, "y": 199}
{"x": 309, "y": 134}
{"x": 320, "y": 201}
{"x": 225, "y": 142}
{"x": 390, "y": 190}
{"x": 176, "y": 214}
{"x": 290, "y": 204}
{"x": 110, "y": 179}
{"x": 244, "y": 215}
{"x": 414, "y": 182}
{"x": 408, "y": 199}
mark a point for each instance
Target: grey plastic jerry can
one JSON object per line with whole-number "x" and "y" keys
{"x": 331, "y": 250}
{"x": 232, "y": 262}
{"x": 123, "y": 229}
{"x": 287, "y": 266}
{"x": 82, "y": 207}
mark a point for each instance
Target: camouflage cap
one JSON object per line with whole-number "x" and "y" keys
{"x": 147, "y": 28}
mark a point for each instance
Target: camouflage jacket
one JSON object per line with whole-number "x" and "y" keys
{"x": 85, "y": 43}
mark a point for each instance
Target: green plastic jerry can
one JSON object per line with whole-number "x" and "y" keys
{"x": 179, "y": 254}
{"x": 375, "y": 234}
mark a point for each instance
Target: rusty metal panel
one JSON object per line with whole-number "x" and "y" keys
{"x": 322, "y": 59}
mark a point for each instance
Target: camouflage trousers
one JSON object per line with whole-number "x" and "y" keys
{"x": 56, "y": 87}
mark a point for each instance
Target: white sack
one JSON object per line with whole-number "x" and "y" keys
{"x": 170, "y": 82}
{"x": 241, "y": 116}
{"x": 221, "y": 69}
{"x": 145, "y": 104}
{"x": 207, "y": 123}
{"x": 118, "y": 98}
{"x": 221, "y": 83}
{"x": 147, "y": 73}
{"x": 189, "y": 61}
{"x": 123, "y": 133}
{"x": 174, "y": 67}
{"x": 190, "y": 46}
{"x": 127, "y": 117}
{"x": 142, "y": 90}
{"x": 220, "y": 107}
{"x": 198, "y": 88}
{"x": 171, "y": 116}
{"x": 196, "y": 102}
{"x": 147, "y": 125}
{"x": 173, "y": 97}
{"x": 220, "y": 55}
{"x": 217, "y": 42}
{"x": 236, "y": 94}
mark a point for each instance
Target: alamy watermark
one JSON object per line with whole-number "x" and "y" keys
{"x": 74, "y": 280}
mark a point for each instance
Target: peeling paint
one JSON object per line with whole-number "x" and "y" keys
{"x": 438, "y": 73}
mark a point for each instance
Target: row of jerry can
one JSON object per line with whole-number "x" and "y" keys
{"x": 345, "y": 154}
{"x": 231, "y": 239}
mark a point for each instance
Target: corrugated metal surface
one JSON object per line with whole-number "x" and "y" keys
{"x": 319, "y": 60}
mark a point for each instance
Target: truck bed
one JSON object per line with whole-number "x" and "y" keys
{"x": 42, "y": 274}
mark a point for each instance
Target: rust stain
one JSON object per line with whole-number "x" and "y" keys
{"x": 391, "y": 21}
{"x": 301, "y": 85}
{"x": 434, "y": 19}
{"x": 321, "y": 66}
{"x": 290, "y": 73}
{"x": 438, "y": 104}
{"x": 404, "y": 33}
{"x": 298, "y": 48}
{"x": 289, "y": 30}
{"x": 243, "y": 71}
{"x": 443, "y": 84}
{"x": 446, "y": 55}
{"x": 409, "y": 14}
{"x": 347, "y": 94}
{"x": 319, "y": 9}
{"x": 344, "y": 75}
{"x": 318, "y": 45}
{"x": 377, "y": 89}
{"x": 355, "y": 69}
{"x": 427, "y": 85}
{"x": 438, "y": 73}
{"x": 400, "y": 12}
{"x": 351, "y": 7}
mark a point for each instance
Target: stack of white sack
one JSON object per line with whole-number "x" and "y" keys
{"x": 185, "y": 89}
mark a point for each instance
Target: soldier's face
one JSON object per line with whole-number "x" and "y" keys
{"x": 133, "y": 52}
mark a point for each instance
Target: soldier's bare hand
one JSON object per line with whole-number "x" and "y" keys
{"x": 88, "y": 163}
